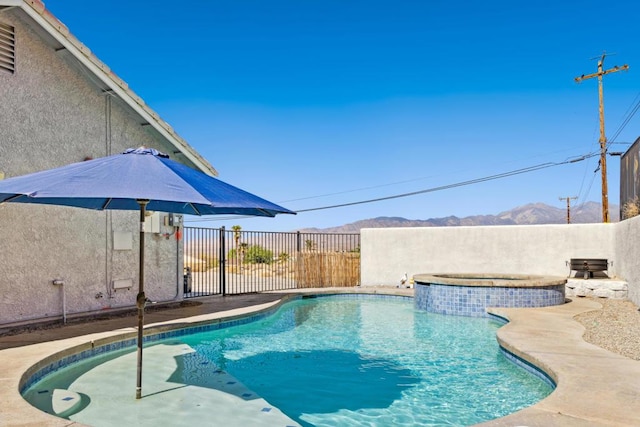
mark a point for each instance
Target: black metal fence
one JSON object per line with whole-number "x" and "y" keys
{"x": 220, "y": 261}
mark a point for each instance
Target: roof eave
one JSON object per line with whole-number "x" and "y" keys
{"x": 36, "y": 10}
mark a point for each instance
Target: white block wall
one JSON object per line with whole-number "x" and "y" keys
{"x": 387, "y": 253}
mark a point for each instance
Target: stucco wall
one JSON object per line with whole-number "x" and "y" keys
{"x": 627, "y": 250}
{"x": 538, "y": 249}
{"x": 51, "y": 115}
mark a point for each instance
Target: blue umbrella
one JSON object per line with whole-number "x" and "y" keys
{"x": 121, "y": 180}
{"x": 137, "y": 179}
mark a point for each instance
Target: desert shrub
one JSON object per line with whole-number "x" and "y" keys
{"x": 283, "y": 257}
{"x": 309, "y": 244}
{"x": 257, "y": 254}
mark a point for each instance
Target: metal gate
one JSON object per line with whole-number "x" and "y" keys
{"x": 220, "y": 261}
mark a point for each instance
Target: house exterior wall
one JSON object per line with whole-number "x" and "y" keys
{"x": 627, "y": 250}
{"x": 51, "y": 115}
{"x": 536, "y": 249}
{"x": 630, "y": 176}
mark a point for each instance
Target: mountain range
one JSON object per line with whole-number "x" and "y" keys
{"x": 532, "y": 213}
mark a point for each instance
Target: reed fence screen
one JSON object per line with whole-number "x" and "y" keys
{"x": 222, "y": 261}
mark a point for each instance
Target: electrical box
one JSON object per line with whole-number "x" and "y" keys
{"x": 122, "y": 241}
{"x": 152, "y": 222}
{"x": 122, "y": 284}
{"x": 175, "y": 220}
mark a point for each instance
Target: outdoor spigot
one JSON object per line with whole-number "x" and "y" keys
{"x": 58, "y": 282}
{"x": 142, "y": 300}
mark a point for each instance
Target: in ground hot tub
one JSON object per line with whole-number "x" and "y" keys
{"x": 469, "y": 294}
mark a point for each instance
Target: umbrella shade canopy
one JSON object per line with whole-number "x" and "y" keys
{"x": 118, "y": 181}
{"x": 137, "y": 179}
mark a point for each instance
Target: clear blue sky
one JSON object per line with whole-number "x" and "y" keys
{"x": 321, "y": 102}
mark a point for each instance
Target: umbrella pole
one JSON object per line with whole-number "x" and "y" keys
{"x": 141, "y": 299}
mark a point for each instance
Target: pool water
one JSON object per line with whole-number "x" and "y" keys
{"x": 329, "y": 361}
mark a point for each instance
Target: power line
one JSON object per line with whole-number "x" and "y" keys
{"x": 568, "y": 199}
{"x": 429, "y": 190}
{"x": 631, "y": 111}
{"x": 586, "y": 193}
{"x": 603, "y": 139}
{"x": 446, "y": 187}
{"x": 373, "y": 187}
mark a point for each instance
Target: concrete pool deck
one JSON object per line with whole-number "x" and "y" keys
{"x": 594, "y": 386}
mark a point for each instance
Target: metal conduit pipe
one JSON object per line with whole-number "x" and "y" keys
{"x": 60, "y": 282}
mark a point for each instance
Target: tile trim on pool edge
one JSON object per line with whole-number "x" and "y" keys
{"x": 517, "y": 360}
{"x": 181, "y": 330}
{"x": 529, "y": 367}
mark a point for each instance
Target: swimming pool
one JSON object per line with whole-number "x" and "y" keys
{"x": 337, "y": 360}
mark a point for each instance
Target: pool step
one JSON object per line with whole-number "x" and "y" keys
{"x": 59, "y": 402}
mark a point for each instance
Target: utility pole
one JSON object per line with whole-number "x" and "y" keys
{"x": 568, "y": 199}
{"x": 603, "y": 138}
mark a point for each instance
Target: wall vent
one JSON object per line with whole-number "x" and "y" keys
{"x": 7, "y": 48}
